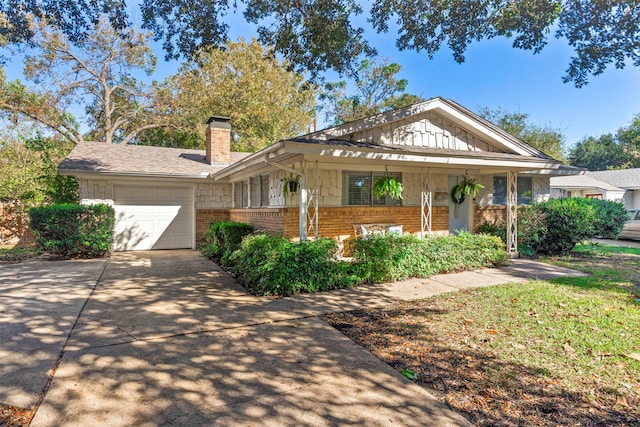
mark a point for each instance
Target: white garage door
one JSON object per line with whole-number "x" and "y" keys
{"x": 153, "y": 218}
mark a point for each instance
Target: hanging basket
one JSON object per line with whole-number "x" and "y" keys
{"x": 387, "y": 185}
{"x": 468, "y": 186}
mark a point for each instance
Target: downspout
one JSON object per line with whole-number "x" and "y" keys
{"x": 302, "y": 200}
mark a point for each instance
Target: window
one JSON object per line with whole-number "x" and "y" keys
{"x": 357, "y": 189}
{"x": 525, "y": 190}
{"x": 240, "y": 194}
{"x": 259, "y": 191}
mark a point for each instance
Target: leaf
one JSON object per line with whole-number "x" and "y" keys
{"x": 634, "y": 356}
{"x": 409, "y": 374}
{"x": 622, "y": 401}
{"x": 492, "y": 332}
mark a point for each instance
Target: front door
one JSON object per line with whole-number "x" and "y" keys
{"x": 458, "y": 216}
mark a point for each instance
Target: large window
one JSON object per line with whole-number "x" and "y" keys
{"x": 357, "y": 189}
{"x": 525, "y": 190}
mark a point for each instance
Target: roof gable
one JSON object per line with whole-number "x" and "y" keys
{"x": 436, "y": 123}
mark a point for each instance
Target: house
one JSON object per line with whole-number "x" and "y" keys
{"x": 165, "y": 197}
{"x": 584, "y": 186}
{"x": 621, "y": 185}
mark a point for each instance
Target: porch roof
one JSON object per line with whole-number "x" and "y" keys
{"x": 345, "y": 154}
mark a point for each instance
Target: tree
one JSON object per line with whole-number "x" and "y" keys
{"x": 601, "y": 153}
{"x": 96, "y": 73}
{"x": 244, "y": 81}
{"x": 629, "y": 138}
{"x": 377, "y": 90}
{"x": 316, "y": 35}
{"x": 545, "y": 138}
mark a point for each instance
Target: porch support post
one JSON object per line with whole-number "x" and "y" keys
{"x": 311, "y": 170}
{"x": 512, "y": 214}
{"x": 425, "y": 211}
{"x": 302, "y": 194}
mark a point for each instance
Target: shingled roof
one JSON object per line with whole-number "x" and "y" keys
{"x": 623, "y": 178}
{"x": 115, "y": 159}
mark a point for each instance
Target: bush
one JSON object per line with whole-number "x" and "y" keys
{"x": 610, "y": 218}
{"x": 568, "y": 221}
{"x": 69, "y": 230}
{"x": 394, "y": 257}
{"x": 224, "y": 237}
{"x": 272, "y": 265}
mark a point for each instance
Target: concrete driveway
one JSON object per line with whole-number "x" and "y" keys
{"x": 166, "y": 338}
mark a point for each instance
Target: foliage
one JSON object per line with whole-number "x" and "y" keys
{"x": 20, "y": 170}
{"x": 545, "y": 138}
{"x": 388, "y": 185}
{"x": 556, "y": 226}
{"x": 224, "y": 237}
{"x": 16, "y": 253}
{"x": 396, "y": 257}
{"x": 97, "y": 73}
{"x": 376, "y": 91}
{"x": 290, "y": 185}
{"x": 68, "y": 230}
{"x": 272, "y": 265}
{"x": 629, "y": 138}
{"x": 610, "y": 218}
{"x": 244, "y": 81}
{"x": 601, "y": 153}
{"x": 466, "y": 187}
{"x": 317, "y": 35}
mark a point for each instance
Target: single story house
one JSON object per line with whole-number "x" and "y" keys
{"x": 621, "y": 185}
{"x": 584, "y": 186}
{"x": 165, "y": 197}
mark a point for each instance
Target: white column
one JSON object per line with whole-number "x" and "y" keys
{"x": 426, "y": 205}
{"x": 512, "y": 214}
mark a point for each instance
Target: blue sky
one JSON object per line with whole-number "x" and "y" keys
{"x": 495, "y": 75}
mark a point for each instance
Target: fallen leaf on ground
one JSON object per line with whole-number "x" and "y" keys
{"x": 492, "y": 332}
{"x": 634, "y": 356}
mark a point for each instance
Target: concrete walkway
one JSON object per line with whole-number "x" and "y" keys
{"x": 166, "y": 338}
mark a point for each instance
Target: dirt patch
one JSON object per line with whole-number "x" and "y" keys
{"x": 486, "y": 390}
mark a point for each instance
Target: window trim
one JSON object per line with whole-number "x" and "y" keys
{"x": 372, "y": 176}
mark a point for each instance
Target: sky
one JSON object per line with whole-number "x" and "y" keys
{"x": 495, "y": 75}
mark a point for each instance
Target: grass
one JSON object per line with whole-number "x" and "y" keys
{"x": 14, "y": 253}
{"x": 542, "y": 353}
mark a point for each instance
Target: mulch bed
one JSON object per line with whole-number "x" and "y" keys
{"x": 473, "y": 381}
{"x": 10, "y": 416}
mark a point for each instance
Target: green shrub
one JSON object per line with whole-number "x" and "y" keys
{"x": 272, "y": 265}
{"x": 224, "y": 237}
{"x": 394, "y": 257}
{"x": 610, "y": 218}
{"x": 568, "y": 221}
{"x": 69, "y": 230}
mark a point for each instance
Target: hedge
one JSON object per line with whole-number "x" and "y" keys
{"x": 224, "y": 237}
{"x": 273, "y": 265}
{"x": 71, "y": 230}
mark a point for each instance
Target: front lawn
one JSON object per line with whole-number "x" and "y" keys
{"x": 543, "y": 353}
{"x": 13, "y": 254}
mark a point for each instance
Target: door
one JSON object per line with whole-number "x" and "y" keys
{"x": 153, "y": 218}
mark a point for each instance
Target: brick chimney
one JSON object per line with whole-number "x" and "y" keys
{"x": 218, "y": 143}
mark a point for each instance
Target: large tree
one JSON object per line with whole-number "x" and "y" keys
{"x": 246, "y": 82}
{"x": 601, "y": 153}
{"x": 376, "y": 90}
{"x": 316, "y": 35}
{"x": 545, "y": 138}
{"x": 97, "y": 74}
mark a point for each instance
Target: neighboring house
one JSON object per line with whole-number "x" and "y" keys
{"x": 627, "y": 179}
{"x": 164, "y": 197}
{"x": 621, "y": 185}
{"x": 584, "y": 186}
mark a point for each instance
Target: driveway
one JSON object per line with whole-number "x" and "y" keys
{"x": 166, "y": 338}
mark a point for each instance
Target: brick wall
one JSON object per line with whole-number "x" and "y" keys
{"x": 204, "y": 218}
{"x": 489, "y": 214}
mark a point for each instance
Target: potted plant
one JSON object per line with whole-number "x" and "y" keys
{"x": 387, "y": 185}
{"x": 468, "y": 186}
{"x": 290, "y": 186}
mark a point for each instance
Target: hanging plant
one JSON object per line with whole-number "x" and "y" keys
{"x": 388, "y": 185}
{"x": 468, "y": 186}
{"x": 290, "y": 186}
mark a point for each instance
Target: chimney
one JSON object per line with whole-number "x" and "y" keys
{"x": 218, "y": 143}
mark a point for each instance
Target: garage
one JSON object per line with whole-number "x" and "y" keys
{"x": 153, "y": 217}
